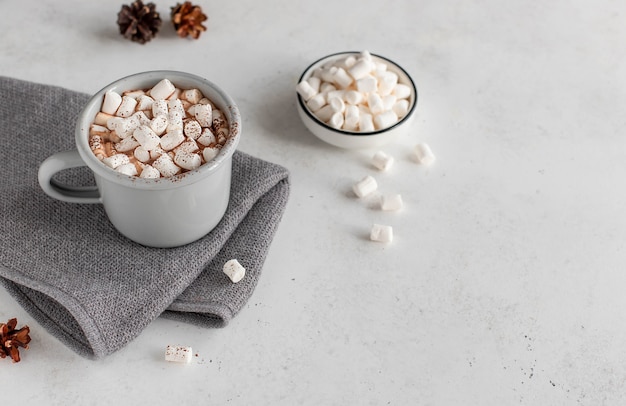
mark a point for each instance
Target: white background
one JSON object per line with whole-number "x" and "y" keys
{"x": 505, "y": 281}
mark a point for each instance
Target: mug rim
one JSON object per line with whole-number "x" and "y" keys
{"x": 143, "y": 80}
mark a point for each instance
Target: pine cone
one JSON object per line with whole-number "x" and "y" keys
{"x": 187, "y": 20}
{"x": 11, "y": 339}
{"x": 139, "y": 22}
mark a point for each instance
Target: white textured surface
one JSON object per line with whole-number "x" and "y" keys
{"x": 505, "y": 280}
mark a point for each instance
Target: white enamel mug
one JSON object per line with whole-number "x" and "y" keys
{"x": 163, "y": 212}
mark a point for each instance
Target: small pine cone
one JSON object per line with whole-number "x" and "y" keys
{"x": 187, "y": 20}
{"x": 139, "y": 22}
{"x": 11, "y": 339}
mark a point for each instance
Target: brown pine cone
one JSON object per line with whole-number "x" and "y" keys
{"x": 139, "y": 22}
{"x": 11, "y": 339}
{"x": 187, "y": 20}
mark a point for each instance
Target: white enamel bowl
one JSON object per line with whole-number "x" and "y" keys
{"x": 352, "y": 139}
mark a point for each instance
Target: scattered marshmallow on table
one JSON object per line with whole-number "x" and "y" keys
{"x": 381, "y": 233}
{"x": 382, "y": 161}
{"x": 356, "y": 81}
{"x": 234, "y": 270}
{"x": 177, "y": 353}
{"x": 365, "y": 186}
{"x": 391, "y": 202}
{"x": 423, "y": 154}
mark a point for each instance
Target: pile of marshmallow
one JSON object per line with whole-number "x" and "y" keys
{"x": 158, "y": 132}
{"x": 357, "y": 93}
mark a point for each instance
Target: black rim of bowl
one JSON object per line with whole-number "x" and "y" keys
{"x": 356, "y": 133}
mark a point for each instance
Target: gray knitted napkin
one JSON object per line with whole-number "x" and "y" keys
{"x": 83, "y": 281}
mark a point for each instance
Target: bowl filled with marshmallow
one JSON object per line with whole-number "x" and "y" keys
{"x": 356, "y": 100}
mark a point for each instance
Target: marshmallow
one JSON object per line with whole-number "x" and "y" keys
{"x": 157, "y": 152}
{"x": 139, "y": 118}
{"x": 193, "y": 96}
{"x": 234, "y": 270}
{"x": 174, "y": 120}
{"x": 162, "y": 90}
{"x": 203, "y": 113}
{"x": 175, "y": 94}
{"x": 327, "y": 74}
{"x": 146, "y": 137}
{"x": 375, "y": 103}
{"x": 335, "y": 93}
{"x": 127, "y": 107}
{"x": 349, "y": 61}
{"x": 342, "y": 79}
{"x": 159, "y": 124}
{"x": 353, "y": 97}
{"x": 336, "y": 120}
{"x": 366, "y": 123}
{"x": 102, "y": 118}
{"x": 380, "y": 67}
{"x": 95, "y": 129}
{"x": 315, "y": 83}
{"x": 423, "y": 154}
{"x": 326, "y": 87}
{"x": 316, "y": 102}
{"x": 127, "y": 169}
{"x": 209, "y": 153}
{"x": 325, "y": 113}
{"x": 159, "y": 108}
{"x": 116, "y": 160}
{"x": 207, "y": 137}
{"x": 111, "y": 102}
{"x": 389, "y": 101}
{"x": 177, "y": 106}
{"x": 142, "y": 154}
{"x": 402, "y": 91}
{"x": 95, "y": 143}
{"x": 382, "y": 161}
{"x": 351, "y": 118}
{"x": 387, "y": 82}
{"x": 337, "y": 105}
{"x": 177, "y": 353}
{"x": 189, "y": 145}
{"x": 144, "y": 102}
{"x": 122, "y": 127}
{"x": 305, "y": 90}
{"x": 401, "y": 108}
{"x": 166, "y": 166}
{"x": 187, "y": 160}
{"x": 385, "y": 119}
{"x": 126, "y": 145}
{"x": 172, "y": 139}
{"x": 149, "y": 172}
{"x": 367, "y": 84}
{"x": 391, "y": 202}
{"x": 360, "y": 69}
{"x": 192, "y": 129}
{"x": 365, "y": 186}
{"x": 381, "y": 233}
{"x": 134, "y": 93}
{"x": 219, "y": 121}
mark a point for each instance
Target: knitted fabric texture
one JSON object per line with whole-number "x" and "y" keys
{"x": 73, "y": 272}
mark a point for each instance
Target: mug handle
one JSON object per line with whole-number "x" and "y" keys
{"x": 60, "y": 191}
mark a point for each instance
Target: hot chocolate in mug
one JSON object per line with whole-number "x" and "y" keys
{"x": 159, "y": 212}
